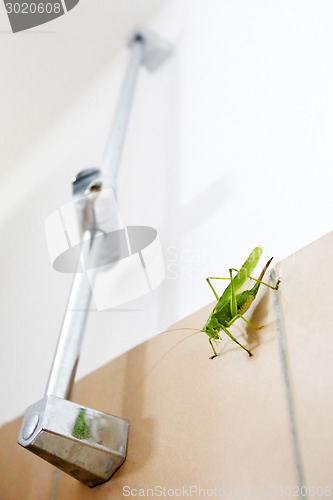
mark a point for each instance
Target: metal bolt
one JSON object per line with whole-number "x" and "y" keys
{"x": 30, "y": 426}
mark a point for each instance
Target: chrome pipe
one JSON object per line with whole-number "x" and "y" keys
{"x": 115, "y": 143}
{"x": 68, "y": 350}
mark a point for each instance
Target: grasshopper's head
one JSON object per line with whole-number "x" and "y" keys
{"x": 212, "y": 328}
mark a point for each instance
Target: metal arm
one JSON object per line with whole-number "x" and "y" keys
{"x": 115, "y": 143}
{"x": 85, "y": 443}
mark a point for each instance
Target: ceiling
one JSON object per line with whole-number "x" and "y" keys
{"x": 43, "y": 69}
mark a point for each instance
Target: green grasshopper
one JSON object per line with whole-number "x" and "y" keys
{"x": 233, "y": 303}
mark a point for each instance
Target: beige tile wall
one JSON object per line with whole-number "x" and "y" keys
{"x": 225, "y": 423}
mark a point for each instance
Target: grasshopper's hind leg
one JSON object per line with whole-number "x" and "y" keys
{"x": 276, "y": 287}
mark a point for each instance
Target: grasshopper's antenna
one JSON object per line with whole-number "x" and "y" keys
{"x": 196, "y": 330}
{"x": 178, "y": 342}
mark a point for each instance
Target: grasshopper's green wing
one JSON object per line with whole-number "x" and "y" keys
{"x": 238, "y": 281}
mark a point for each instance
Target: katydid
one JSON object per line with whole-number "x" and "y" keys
{"x": 233, "y": 303}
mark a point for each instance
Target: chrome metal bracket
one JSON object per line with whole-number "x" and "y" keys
{"x": 85, "y": 443}
{"x": 156, "y": 49}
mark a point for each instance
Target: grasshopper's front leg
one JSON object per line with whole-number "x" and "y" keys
{"x": 209, "y": 283}
{"x": 233, "y": 300}
{"x": 215, "y": 353}
{"x": 234, "y": 314}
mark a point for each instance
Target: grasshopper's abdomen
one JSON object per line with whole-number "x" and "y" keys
{"x": 223, "y": 317}
{"x": 244, "y": 300}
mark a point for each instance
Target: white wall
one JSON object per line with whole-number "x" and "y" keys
{"x": 229, "y": 146}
